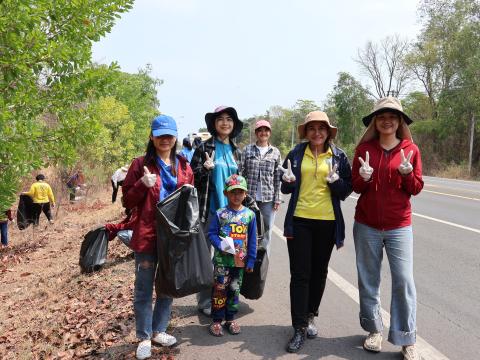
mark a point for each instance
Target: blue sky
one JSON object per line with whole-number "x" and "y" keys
{"x": 248, "y": 54}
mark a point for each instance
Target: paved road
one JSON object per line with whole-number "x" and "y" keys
{"x": 447, "y": 272}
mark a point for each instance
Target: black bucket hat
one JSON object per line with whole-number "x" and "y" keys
{"x": 210, "y": 120}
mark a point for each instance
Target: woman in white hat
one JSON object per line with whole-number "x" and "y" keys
{"x": 387, "y": 171}
{"x": 260, "y": 166}
{"x": 318, "y": 177}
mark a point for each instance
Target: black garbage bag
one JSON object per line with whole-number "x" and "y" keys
{"x": 250, "y": 203}
{"x": 25, "y": 212}
{"x": 93, "y": 251}
{"x": 184, "y": 261}
{"x": 254, "y": 282}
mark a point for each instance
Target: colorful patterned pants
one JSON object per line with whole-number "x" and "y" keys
{"x": 225, "y": 292}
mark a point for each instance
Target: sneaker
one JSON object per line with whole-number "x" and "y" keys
{"x": 410, "y": 353}
{"x": 144, "y": 350}
{"x": 163, "y": 339}
{"x": 373, "y": 342}
{"x": 50, "y": 221}
{"x": 311, "y": 328}
{"x": 206, "y": 311}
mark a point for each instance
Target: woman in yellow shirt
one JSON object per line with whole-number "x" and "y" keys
{"x": 42, "y": 197}
{"x": 318, "y": 177}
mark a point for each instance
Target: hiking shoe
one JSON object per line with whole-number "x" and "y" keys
{"x": 373, "y": 342}
{"x": 144, "y": 350}
{"x": 297, "y": 340}
{"x": 311, "y": 328}
{"x": 410, "y": 352}
{"x": 163, "y": 339}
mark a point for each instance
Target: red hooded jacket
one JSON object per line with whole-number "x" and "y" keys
{"x": 384, "y": 202}
{"x": 136, "y": 194}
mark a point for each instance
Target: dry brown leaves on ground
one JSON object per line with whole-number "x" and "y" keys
{"x": 49, "y": 310}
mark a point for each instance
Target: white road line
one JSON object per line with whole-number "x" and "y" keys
{"x": 452, "y": 195}
{"x": 426, "y": 351}
{"x": 439, "y": 220}
{"x": 447, "y": 223}
{"x": 450, "y": 188}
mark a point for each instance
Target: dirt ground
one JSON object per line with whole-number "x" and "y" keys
{"x": 48, "y": 309}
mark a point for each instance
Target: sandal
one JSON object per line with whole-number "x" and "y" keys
{"x": 233, "y": 327}
{"x": 215, "y": 329}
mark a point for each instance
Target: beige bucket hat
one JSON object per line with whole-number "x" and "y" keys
{"x": 316, "y": 116}
{"x": 388, "y": 103}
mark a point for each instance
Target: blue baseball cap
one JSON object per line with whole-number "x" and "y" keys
{"x": 164, "y": 125}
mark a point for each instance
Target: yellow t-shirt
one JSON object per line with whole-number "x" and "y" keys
{"x": 314, "y": 200}
{"x": 41, "y": 193}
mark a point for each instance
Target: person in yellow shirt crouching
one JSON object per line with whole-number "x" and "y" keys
{"x": 43, "y": 199}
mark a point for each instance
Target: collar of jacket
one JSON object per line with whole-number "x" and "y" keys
{"x": 300, "y": 148}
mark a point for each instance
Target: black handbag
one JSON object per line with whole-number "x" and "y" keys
{"x": 184, "y": 261}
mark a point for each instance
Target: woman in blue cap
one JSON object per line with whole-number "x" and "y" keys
{"x": 213, "y": 161}
{"x": 151, "y": 178}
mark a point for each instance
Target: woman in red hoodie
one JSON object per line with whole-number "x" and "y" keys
{"x": 386, "y": 172}
{"x": 150, "y": 179}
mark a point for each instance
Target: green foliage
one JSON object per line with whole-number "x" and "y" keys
{"x": 347, "y": 105}
{"x": 447, "y": 60}
{"x": 45, "y": 50}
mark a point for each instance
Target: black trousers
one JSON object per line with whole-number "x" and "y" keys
{"x": 115, "y": 189}
{"x": 37, "y": 210}
{"x": 309, "y": 252}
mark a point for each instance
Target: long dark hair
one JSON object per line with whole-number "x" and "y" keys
{"x": 151, "y": 155}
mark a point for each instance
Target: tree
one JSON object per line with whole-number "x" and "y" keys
{"x": 348, "y": 103}
{"x": 43, "y": 46}
{"x": 384, "y": 64}
{"x": 452, "y": 30}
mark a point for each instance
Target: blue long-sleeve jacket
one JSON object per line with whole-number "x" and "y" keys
{"x": 241, "y": 226}
{"x": 339, "y": 190}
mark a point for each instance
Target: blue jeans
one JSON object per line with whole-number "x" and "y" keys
{"x": 148, "y": 321}
{"x": 266, "y": 209}
{"x": 4, "y": 232}
{"x": 398, "y": 243}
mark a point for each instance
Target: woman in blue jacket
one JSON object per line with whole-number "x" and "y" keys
{"x": 318, "y": 176}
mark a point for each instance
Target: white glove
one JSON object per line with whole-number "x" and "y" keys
{"x": 148, "y": 179}
{"x": 287, "y": 173}
{"x": 405, "y": 167}
{"x": 227, "y": 245}
{"x": 209, "y": 163}
{"x": 332, "y": 173}
{"x": 365, "y": 170}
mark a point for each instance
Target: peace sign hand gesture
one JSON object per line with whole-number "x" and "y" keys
{"x": 210, "y": 162}
{"x": 405, "y": 167}
{"x": 287, "y": 173}
{"x": 332, "y": 173}
{"x": 365, "y": 170}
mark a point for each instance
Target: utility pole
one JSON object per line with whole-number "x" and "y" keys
{"x": 470, "y": 154}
